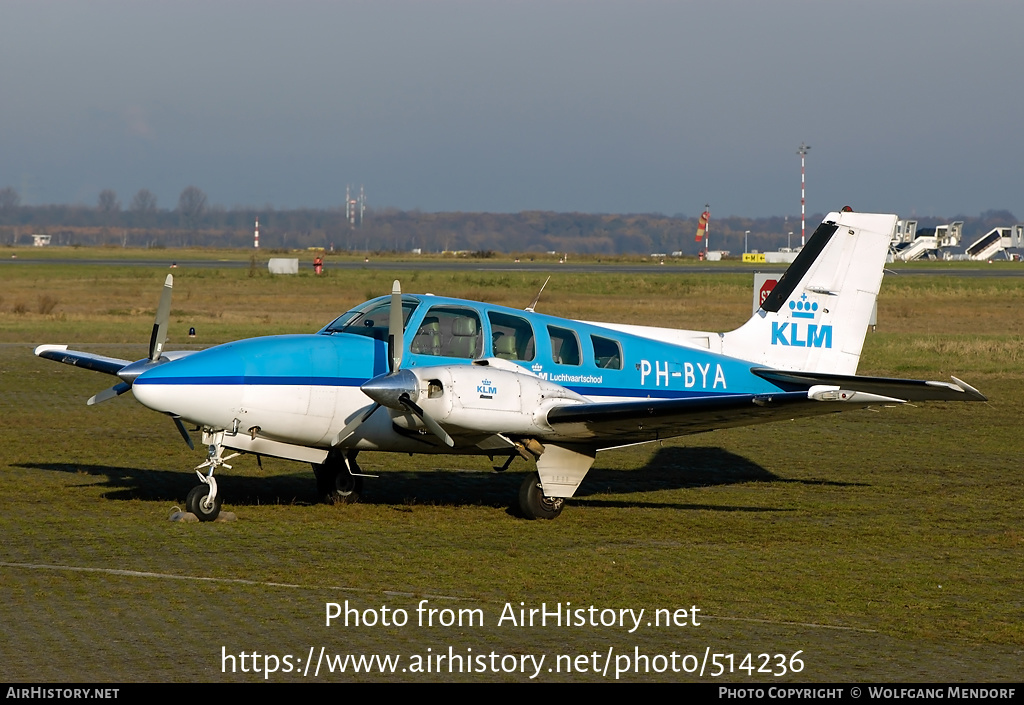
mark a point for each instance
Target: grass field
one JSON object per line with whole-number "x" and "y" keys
{"x": 882, "y": 545}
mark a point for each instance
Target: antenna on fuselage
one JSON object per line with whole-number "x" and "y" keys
{"x": 536, "y": 299}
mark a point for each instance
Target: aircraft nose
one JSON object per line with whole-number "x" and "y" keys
{"x": 202, "y": 387}
{"x": 157, "y": 393}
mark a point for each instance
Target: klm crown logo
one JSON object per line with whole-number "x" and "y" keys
{"x": 803, "y": 308}
{"x": 797, "y": 335}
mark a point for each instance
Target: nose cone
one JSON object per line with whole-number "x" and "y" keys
{"x": 160, "y": 393}
{"x": 386, "y": 389}
{"x": 196, "y": 387}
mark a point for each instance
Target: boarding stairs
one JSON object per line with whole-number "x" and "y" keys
{"x": 995, "y": 241}
{"x": 907, "y": 244}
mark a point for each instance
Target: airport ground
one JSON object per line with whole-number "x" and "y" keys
{"x": 882, "y": 545}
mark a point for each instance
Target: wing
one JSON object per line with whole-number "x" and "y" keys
{"x": 98, "y": 363}
{"x": 904, "y": 389}
{"x": 88, "y": 361}
{"x": 803, "y": 394}
{"x": 656, "y": 419}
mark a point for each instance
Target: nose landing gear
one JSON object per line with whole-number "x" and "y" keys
{"x": 203, "y": 500}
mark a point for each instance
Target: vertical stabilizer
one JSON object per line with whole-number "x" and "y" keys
{"x": 817, "y": 316}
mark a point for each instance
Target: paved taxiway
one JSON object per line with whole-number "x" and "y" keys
{"x": 951, "y": 269}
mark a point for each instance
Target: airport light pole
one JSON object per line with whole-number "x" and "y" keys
{"x": 802, "y": 151}
{"x": 746, "y": 236}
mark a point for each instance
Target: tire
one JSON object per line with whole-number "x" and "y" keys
{"x": 347, "y": 488}
{"x": 534, "y": 504}
{"x": 196, "y": 499}
{"x": 335, "y": 484}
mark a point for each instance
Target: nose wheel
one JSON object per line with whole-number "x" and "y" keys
{"x": 203, "y": 500}
{"x": 199, "y": 503}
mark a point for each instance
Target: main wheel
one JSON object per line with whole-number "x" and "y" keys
{"x": 198, "y": 502}
{"x": 534, "y": 504}
{"x": 335, "y": 484}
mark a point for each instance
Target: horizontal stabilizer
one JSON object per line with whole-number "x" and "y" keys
{"x": 903, "y": 389}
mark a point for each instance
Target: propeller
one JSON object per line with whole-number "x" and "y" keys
{"x": 157, "y": 338}
{"x": 163, "y": 316}
{"x": 396, "y": 389}
{"x": 128, "y": 373}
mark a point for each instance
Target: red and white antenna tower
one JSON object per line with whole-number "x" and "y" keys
{"x": 354, "y": 206}
{"x": 802, "y": 151}
{"x": 256, "y": 235}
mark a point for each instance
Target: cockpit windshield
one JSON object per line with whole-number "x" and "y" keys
{"x": 372, "y": 318}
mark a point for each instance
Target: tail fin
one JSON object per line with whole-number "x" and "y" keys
{"x": 817, "y": 316}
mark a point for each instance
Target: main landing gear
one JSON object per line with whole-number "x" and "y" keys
{"x": 338, "y": 478}
{"x": 203, "y": 500}
{"x": 534, "y": 504}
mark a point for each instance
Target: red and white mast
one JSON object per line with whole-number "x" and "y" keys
{"x": 802, "y": 151}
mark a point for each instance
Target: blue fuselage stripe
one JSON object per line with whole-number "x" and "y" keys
{"x": 289, "y": 381}
{"x": 256, "y": 379}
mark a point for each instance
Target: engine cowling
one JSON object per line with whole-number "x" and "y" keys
{"x": 488, "y": 396}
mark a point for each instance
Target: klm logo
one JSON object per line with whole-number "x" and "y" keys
{"x": 486, "y": 390}
{"x": 802, "y": 335}
{"x": 813, "y": 337}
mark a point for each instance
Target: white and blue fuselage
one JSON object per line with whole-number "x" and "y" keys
{"x": 303, "y": 389}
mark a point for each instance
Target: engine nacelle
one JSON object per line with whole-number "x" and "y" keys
{"x": 489, "y": 396}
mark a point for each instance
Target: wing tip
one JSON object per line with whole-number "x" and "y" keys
{"x": 40, "y": 349}
{"x": 970, "y": 391}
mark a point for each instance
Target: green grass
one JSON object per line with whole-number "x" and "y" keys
{"x": 897, "y": 532}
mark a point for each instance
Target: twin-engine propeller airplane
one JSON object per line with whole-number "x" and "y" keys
{"x": 428, "y": 374}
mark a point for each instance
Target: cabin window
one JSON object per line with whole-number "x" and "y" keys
{"x": 449, "y": 331}
{"x": 607, "y": 353}
{"x": 512, "y": 337}
{"x": 565, "y": 347}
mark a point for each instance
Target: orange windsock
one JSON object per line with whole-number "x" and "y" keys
{"x": 702, "y": 226}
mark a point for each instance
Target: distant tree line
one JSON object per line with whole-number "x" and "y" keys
{"x": 193, "y": 222}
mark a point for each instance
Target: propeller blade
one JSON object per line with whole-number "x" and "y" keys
{"x": 434, "y": 426}
{"x": 115, "y": 391}
{"x": 163, "y": 315}
{"x": 183, "y": 432}
{"x": 395, "y": 341}
{"x": 352, "y": 425}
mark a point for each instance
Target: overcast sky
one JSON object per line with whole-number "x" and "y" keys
{"x": 584, "y": 105}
